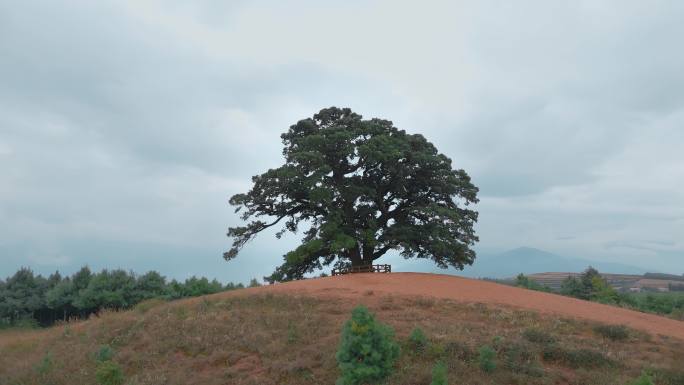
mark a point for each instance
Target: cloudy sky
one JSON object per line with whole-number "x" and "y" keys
{"x": 126, "y": 125}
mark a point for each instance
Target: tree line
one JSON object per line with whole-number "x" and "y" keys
{"x": 27, "y": 299}
{"x": 592, "y": 286}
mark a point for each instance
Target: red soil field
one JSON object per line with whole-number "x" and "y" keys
{"x": 476, "y": 291}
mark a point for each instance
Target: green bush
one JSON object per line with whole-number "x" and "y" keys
{"x": 644, "y": 379}
{"x": 439, "y": 374}
{"x": 105, "y": 353}
{"x": 538, "y": 336}
{"x": 109, "y": 373}
{"x": 612, "y": 332}
{"x": 418, "y": 340}
{"x": 367, "y": 349}
{"x": 486, "y": 359}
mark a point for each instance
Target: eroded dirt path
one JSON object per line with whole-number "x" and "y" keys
{"x": 470, "y": 290}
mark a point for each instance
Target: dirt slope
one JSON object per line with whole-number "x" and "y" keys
{"x": 470, "y": 290}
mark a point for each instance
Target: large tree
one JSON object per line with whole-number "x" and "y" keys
{"x": 360, "y": 188}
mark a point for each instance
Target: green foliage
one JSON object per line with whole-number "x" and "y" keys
{"x": 367, "y": 349}
{"x": 644, "y": 379}
{"x": 591, "y": 286}
{"x": 109, "y": 373}
{"x": 254, "y": 283}
{"x": 572, "y": 287}
{"x": 363, "y": 187}
{"x": 659, "y": 303}
{"x": 29, "y": 300}
{"x": 523, "y": 281}
{"x": 602, "y": 292}
{"x": 439, "y": 374}
{"x": 418, "y": 341}
{"x": 105, "y": 353}
{"x": 612, "y": 332}
{"x": 486, "y": 359}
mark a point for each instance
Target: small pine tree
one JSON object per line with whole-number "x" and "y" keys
{"x": 417, "y": 340}
{"x": 105, "y": 353}
{"x": 439, "y": 374}
{"x": 109, "y": 373}
{"x": 367, "y": 349}
{"x": 486, "y": 359}
{"x": 644, "y": 379}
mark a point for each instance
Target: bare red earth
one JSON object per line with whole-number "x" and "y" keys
{"x": 477, "y": 291}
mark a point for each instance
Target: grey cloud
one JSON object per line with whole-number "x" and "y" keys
{"x": 125, "y": 126}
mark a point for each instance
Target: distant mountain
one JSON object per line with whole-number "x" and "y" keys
{"x": 526, "y": 260}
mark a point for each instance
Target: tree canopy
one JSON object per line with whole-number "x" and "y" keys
{"x": 361, "y": 188}
{"x": 27, "y": 299}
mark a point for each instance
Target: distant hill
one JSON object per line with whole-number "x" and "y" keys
{"x": 526, "y": 260}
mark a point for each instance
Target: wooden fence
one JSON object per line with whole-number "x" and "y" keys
{"x": 363, "y": 269}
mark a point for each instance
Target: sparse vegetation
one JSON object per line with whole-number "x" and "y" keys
{"x": 245, "y": 339}
{"x": 613, "y": 332}
{"x": 45, "y": 365}
{"x": 576, "y": 358}
{"x": 538, "y": 336}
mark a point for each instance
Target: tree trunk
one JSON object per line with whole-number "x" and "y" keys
{"x": 355, "y": 257}
{"x": 367, "y": 255}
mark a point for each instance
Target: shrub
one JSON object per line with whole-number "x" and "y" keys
{"x": 612, "y": 332}
{"x": 105, "y": 353}
{"x": 109, "y": 373}
{"x": 575, "y": 358}
{"x": 367, "y": 349}
{"x": 439, "y": 374}
{"x": 498, "y": 342}
{"x": 644, "y": 379}
{"x": 486, "y": 359}
{"x": 417, "y": 340}
{"x": 459, "y": 351}
{"x": 522, "y": 358}
{"x": 538, "y": 336}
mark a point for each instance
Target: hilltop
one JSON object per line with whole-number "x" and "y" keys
{"x": 288, "y": 334}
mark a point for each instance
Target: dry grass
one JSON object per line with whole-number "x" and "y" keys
{"x": 254, "y": 338}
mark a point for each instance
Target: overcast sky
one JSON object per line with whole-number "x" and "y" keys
{"x": 126, "y": 125}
